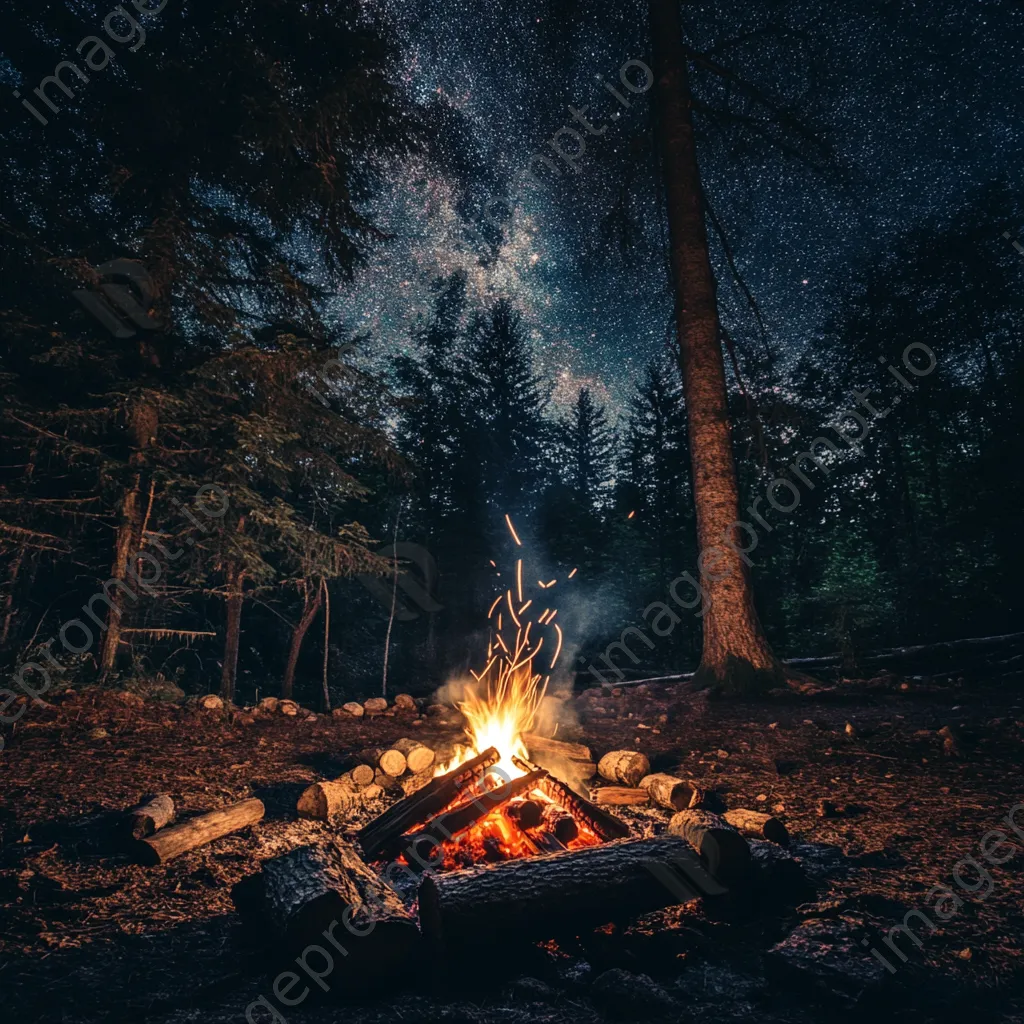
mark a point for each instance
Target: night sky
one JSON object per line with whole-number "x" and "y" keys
{"x": 921, "y": 103}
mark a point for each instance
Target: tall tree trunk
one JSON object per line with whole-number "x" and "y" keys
{"x": 233, "y": 631}
{"x": 309, "y": 610}
{"x": 142, "y": 426}
{"x": 12, "y": 579}
{"x": 736, "y": 655}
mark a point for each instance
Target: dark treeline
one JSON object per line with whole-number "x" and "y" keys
{"x": 120, "y": 561}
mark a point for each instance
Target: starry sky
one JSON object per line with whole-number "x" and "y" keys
{"x": 919, "y": 102}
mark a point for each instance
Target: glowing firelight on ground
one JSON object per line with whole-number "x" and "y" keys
{"x": 503, "y": 702}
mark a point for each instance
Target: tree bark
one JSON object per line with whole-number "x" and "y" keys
{"x": 310, "y": 608}
{"x": 558, "y": 894}
{"x": 736, "y": 656}
{"x": 149, "y": 816}
{"x": 142, "y": 425}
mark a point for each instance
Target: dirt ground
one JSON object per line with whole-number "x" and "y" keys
{"x": 86, "y": 935}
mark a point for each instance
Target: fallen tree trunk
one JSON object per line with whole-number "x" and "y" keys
{"x": 323, "y": 895}
{"x": 149, "y": 816}
{"x": 780, "y": 879}
{"x": 558, "y": 894}
{"x": 758, "y": 825}
{"x": 383, "y": 835}
{"x": 672, "y": 793}
{"x": 721, "y": 848}
{"x": 196, "y": 832}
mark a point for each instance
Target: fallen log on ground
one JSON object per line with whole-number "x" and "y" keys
{"x": 558, "y": 894}
{"x": 672, "y": 793}
{"x": 779, "y": 878}
{"x": 383, "y": 835}
{"x": 335, "y": 800}
{"x": 178, "y": 839}
{"x": 757, "y": 825}
{"x": 625, "y": 766}
{"x": 621, "y": 796}
{"x": 315, "y": 892}
{"x": 149, "y": 816}
{"x": 721, "y": 848}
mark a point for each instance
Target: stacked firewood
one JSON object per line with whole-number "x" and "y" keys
{"x": 401, "y": 768}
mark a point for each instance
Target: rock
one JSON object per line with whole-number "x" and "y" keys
{"x": 156, "y": 689}
{"x": 405, "y": 702}
{"x": 352, "y": 707}
{"x": 211, "y": 702}
{"x": 631, "y": 996}
{"x": 245, "y": 718}
{"x": 530, "y": 990}
{"x": 99, "y": 733}
{"x": 375, "y": 705}
{"x": 436, "y": 710}
{"x": 311, "y": 717}
{"x": 288, "y": 707}
{"x": 268, "y": 705}
{"x": 825, "y": 955}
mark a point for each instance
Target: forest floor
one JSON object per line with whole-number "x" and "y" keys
{"x": 87, "y": 936}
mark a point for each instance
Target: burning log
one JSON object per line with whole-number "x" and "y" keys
{"x": 721, "y": 848}
{"x": 527, "y": 813}
{"x": 560, "y": 823}
{"x": 448, "y": 824}
{"x": 389, "y": 760}
{"x": 562, "y": 893}
{"x": 625, "y": 766}
{"x": 334, "y": 801}
{"x": 384, "y": 833}
{"x": 758, "y": 825}
{"x": 672, "y": 793}
{"x": 312, "y": 893}
{"x": 149, "y": 816}
{"x": 196, "y": 832}
{"x": 417, "y": 756}
{"x": 603, "y": 824}
{"x": 620, "y": 796}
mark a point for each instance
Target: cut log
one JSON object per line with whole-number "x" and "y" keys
{"x": 335, "y": 801}
{"x": 527, "y": 812}
{"x": 560, "y": 823}
{"x": 620, "y": 796}
{"x": 361, "y": 774}
{"x": 387, "y": 759}
{"x": 625, "y": 766}
{"x": 758, "y": 825}
{"x": 672, "y": 793}
{"x": 390, "y": 783}
{"x": 196, "y": 832}
{"x": 423, "y": 844}
{"x": 323, "y": 890}
{"x": 559, "y": 894}
{"x": 417, "y": 756}
{"x": 383, "y": 834}
{"x": 720, "y": 847}
{"x": 414, "y": 783}
{"x": 149, "y": 816}
{"x": 602, "y": 823}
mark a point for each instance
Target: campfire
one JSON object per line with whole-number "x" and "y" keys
{"x": 500, "y": 805}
